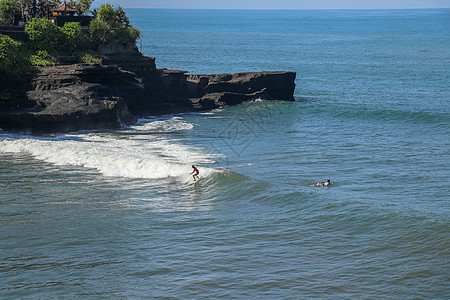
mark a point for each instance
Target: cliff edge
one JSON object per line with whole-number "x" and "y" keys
{"x": 124, "y": 87}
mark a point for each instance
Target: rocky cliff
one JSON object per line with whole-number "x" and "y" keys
{"x": 126, "y": 86}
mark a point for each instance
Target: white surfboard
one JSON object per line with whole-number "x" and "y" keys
{"x": 194, "y": 181}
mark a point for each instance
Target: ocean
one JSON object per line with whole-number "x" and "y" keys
{"x": 109, "y": 214}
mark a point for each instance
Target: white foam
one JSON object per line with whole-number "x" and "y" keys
{"x": 154, "y": 155}
{"x": 162, "y": 126}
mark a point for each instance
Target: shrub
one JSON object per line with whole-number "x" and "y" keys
{"x": 72, "y": 36}
{"x": 44, "y": 35}
{"x": 128, "y": 35}
{"x": 112, "y": 25}
{"x": 83, "y": 6}
{"x": 106, "y": 13}
{"x": 9, "y": 9}
{"x": 13, "y": 56}
{"x": 87, "y": 58}
{"x": 100, "y": 31}
{"x": 42, "y": 59}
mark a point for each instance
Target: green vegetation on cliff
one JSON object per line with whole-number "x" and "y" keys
{"x": 14, "y": 57}
{"x": 113, "y": 26}
{"x": 14, "y": 9}
{"x": 9, "y": 9}
{"x": 83, "y": 6}
{"x": 43, "y": 35}
{"x": 48, "y": 42}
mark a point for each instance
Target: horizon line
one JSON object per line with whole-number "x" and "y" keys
{"x": 171, "y": 8}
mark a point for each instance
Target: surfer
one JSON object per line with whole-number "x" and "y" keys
{"x": 323, "y": 183}
{"x": 195, "y": 173}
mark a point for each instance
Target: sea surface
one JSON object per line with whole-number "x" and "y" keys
{"x": 109, "y": 214}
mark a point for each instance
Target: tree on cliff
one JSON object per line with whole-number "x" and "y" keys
{"x": 9, "y": 10}
{"x": 45, "y": 36}
{"x": 49, "y": 44}
{"x": 13, "y": 56}
{"x": 23, "y": 4}
{"x": 111, "y": 26}
{"x": 83, "y": 6}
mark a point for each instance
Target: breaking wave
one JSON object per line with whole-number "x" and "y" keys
{"x": 146, "y": 150}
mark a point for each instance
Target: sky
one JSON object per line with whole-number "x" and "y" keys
{"x": 278, "y": 4}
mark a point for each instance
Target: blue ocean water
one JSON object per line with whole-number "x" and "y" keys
{"x": 109, "y": 214}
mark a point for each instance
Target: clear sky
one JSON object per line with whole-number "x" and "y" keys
{"x": 278, "y": 4}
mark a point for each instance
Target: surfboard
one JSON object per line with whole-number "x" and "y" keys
{"x": 321, "y": 184}
{"x": 194, "y": 181}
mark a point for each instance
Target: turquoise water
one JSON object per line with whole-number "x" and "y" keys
{"x": 109, "y": 214}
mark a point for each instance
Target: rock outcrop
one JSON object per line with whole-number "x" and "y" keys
{"x": 74, "y": 97}
{"x": 213, "y": 91}
{"x": 126, "y": 86}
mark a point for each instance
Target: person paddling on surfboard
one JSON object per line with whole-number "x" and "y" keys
{"x": 323, "y": 183}
{"x": 195, "y": 173}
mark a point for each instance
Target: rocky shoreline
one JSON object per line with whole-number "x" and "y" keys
{"x": 123, "y": 88}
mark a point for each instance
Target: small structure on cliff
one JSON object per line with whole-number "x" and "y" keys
{"x": 65, "y": 13}
{"x": 45, "y": 9}
{"x": 64, "y": 10}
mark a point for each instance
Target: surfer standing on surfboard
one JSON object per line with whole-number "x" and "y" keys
{"x": 195, "y": 173}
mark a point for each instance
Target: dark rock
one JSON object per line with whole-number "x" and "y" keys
{"x": 13, "y": 92}
{"x": 69, "y": 98}
{"x": 126, "y": 86}
{"x": 115, "y": 48}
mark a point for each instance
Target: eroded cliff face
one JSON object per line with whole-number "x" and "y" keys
{"x": 126, "y": 86}
{"x": 74, "y": 97}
